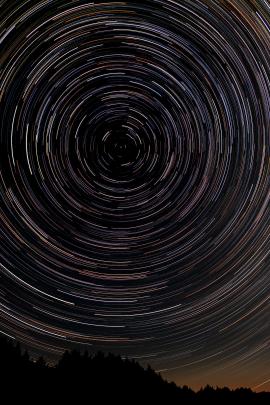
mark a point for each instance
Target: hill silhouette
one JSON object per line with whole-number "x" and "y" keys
{"x": 84, "y": 378}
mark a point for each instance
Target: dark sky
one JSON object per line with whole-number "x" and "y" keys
{"x": 134, "y": 183}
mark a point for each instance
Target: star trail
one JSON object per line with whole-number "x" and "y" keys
{"x": 135, "y": 182}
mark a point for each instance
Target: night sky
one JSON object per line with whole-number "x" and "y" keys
{"x": 135, "y": 183}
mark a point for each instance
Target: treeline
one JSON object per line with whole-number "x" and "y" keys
{"x": 82, "y": 378}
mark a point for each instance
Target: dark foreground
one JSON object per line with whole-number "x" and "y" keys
{"x": 84, "y": 379}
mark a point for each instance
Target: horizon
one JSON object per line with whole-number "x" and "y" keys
{"x": 54, "y": 365}
{"x": 179, "y": 381}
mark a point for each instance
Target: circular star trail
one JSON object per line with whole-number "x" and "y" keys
{"x": 134, "y": 179}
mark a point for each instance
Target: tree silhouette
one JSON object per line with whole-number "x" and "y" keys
{"x": 109, "y": 377}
